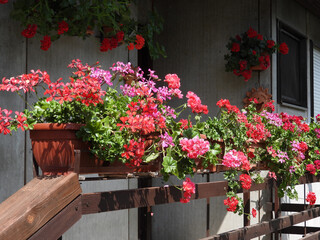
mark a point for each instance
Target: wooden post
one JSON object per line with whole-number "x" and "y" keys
{"x": 277, "y": 210}
{"x": 144, "y": 213}
{"x": 246, "y": 202}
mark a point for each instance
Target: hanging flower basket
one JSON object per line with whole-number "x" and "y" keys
{"x": 249, "y": 52}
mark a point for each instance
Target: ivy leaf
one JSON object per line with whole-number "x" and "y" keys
{"x": 169, "y": 164}
{"x": 151, "y": 157}
{"x": 216, "y": 150}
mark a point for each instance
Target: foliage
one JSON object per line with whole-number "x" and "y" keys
{"x": 248, "y": 50}
{"x": 113, "y": 19}
{"x": 136, "y": 125}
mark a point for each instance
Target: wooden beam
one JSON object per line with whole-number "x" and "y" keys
{"x": 26, "y": 211}
{"x": 299, "y": 230}
{"x": 267, "y": 227}
{"x": 295, "y": 207}
{"x": 312, "y": 236}
{"x": 150, "y": 196}
{"x": 60, "y": 223}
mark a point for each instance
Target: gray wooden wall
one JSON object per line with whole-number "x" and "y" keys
{"x": 17, "y": 56}
{"x": 195, "y": 36}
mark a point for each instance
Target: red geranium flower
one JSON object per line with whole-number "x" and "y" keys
{"x": 252, "y": 33}
{"x": 311, "y": 198}
{"x": 63, "y": 27}
{"x": 120, "y": 36}
{"x": 173, "y": 81}
{"x": 30, "y": 31}
{"x": 270, "y": 43}
{"x": 189, "y": 188}
{"x": 232, "y": 204}
{"x": 185, "y": 124}
{"x": 105, "y": 45}
{"x": 45, "y": 43}
{"x": 235, "y": 47}
{"x": 130, "y": 46}
{"x": 311, "y": 168}
{"x": 243, "y": 64}
{"x": 254, "y": 212}
{"x": 246, "y": 181}
{"x": 194, "y": 103}
{"x": 113, "y": 43}
{"x": 283, "y": 48}
{"x": 3, "y": 1}
{"x": 139, "y": 42}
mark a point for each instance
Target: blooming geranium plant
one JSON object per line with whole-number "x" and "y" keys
{"x": 136, "y": 125}
{"x": 288, "y": 145}
{"x": 113, "y": 19}
{"x": 248, "y": 50}
{"x": 119, "y": 126}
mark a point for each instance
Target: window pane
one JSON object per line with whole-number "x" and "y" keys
{"x": 316, "y": 79}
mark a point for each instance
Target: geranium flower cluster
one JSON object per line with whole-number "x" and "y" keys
{"x": 231, "y": 203}
{"x": 7, "y": 122}
{"x": 311, "y": 198}
{"x": 195, "y": 147}
{"x": 194, "y": 103}
{"x": 236, "y": 159}
{"x": 256, "y": 130}
{"x": 250, "y": 49}
{"x": 225, "y": 103}
{"x": 25, "y": 82}
{"x": 134, "y": 152}
{"x": 246, "y": 181}
{"x": 300, "y": 148}
{"x": 85, "y": 89}
{"x": 313, "y": 167}
{"x": 112, "y": 42}
{"x": 110, "y": 22}
{"x": 188, "y": 188}
{"x": 147, "y": 114}
{"x": 139, "y": 43}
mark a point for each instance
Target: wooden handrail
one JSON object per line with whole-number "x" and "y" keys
{"x": 31, "y": 207}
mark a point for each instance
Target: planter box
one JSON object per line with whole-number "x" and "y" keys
{"x": 54, "y": 146}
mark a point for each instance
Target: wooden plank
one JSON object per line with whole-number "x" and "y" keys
{"x": 299, "y": 230}
{"x": 312, "y": 236}
{"x": 267, "y": 227}
{"x": 23, "y": 213}
{"x": 60, "y": 223}
{"x": 309, "y": 178}
{"x": 124, "y": 199}
{"x": 295, "y": 207}
{"x": 150, "y": 196}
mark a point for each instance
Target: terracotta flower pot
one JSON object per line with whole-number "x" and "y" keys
{"x": 257, "y": 68}
{"x": 53, "y": 147}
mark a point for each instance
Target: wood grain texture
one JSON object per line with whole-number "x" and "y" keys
{"x": 26, "y": 211}
{"x": 150, "y": 196}
{"x": 267, "y": 227}
{"x": 60, "y": 223}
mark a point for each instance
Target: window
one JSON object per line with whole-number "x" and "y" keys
{"x": 316, "y": 81}
{"x": 292, "y": 68}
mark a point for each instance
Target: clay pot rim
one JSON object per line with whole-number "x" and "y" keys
{"x": 57, "y": 126}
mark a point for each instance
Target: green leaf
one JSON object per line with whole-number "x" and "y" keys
{"x": 169, "y": 164}
{"x": 151, "y": 157}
